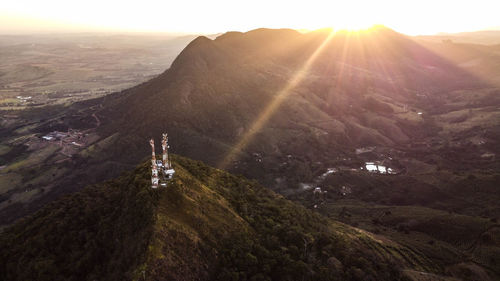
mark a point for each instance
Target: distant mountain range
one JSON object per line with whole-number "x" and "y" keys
{"x": 485, "y": 37}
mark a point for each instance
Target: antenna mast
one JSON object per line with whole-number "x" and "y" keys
{"x": 154, "y": 168}
{"x": 164, "y": 166}
{"x": 164, "y": 145}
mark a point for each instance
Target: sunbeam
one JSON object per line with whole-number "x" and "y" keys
{"x": 268, "y": 112}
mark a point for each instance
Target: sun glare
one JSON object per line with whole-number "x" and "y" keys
{"x": 209, "y": 16}
{"x": 353, "y": 26}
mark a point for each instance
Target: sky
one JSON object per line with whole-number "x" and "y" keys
{"x": 214, "y": 16}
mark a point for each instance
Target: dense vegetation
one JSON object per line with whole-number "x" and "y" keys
{"x": 100, "y": 233}
{"x": 284, "y": 241}
{"x": 453, "y": 225}
{"x": 207, "y": 224}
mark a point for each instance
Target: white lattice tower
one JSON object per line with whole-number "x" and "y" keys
{"x": 154, "y": 168}
{"x": 164, "y": 145}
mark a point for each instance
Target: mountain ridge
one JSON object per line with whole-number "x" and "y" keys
{"x": 206, "y": 224}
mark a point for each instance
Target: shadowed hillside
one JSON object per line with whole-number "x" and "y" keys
{"x": 216, "y": 90}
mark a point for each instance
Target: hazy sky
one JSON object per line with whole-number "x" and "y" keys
{"x": 212, "y": 16}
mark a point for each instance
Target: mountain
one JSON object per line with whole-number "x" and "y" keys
{"x": 216, "y": 90}
{"x": 270, "y": 104}
{"x": 206, "y": 225}
{"x": 283, "y": 107}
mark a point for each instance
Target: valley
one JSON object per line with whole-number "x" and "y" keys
{"x": 49, "y": 69}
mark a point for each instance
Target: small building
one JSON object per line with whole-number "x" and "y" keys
{"x": 169, "y": 174}
{"x": 376, "y": 168}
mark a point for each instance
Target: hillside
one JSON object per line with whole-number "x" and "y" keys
{"x": 274, "y": 93}
{"x": 268, "y": 94}
{"x": 207, "y": 224}
{"x": 331, "y": 92}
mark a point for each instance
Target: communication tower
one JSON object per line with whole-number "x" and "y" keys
{"x": 154, "y": 167}
{"x": 163, "y": 167}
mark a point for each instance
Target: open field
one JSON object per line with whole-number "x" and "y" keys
{"x": 52, "y": 69}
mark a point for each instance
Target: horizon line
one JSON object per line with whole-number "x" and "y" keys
{"x": 74, "y": 31}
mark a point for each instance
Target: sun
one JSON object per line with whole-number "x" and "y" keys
{"x": 355, "y": 25}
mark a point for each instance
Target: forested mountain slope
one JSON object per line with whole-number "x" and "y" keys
{"x": 207, "y": 224}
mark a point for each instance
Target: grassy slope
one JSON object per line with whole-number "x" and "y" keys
{"x": 207, "y": 224}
